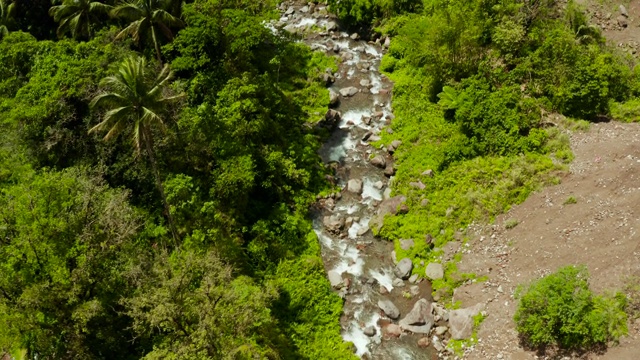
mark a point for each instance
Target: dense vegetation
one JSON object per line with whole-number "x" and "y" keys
{"x": 155, "y": 176}
{"x": 479, "y": 88}
{"x": 560, "y": 310}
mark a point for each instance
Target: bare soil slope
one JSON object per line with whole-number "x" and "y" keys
{"x": 601, "y": 230}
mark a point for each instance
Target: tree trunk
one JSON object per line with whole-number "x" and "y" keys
{"x": 148, "y": 141}
{"x": 155, "y": 43}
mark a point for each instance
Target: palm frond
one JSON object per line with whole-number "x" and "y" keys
{"x": 99, "y": 8}
{"x": 127, "y": 11}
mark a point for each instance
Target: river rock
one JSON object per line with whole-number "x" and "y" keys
{"x": 348, "y": 91}
{"x": 378, "y": 185}
{"x": 461, "y": 322}
{"x": 389, "y": 308}
{"x": 333, "y": 223}
{"x": 434, "y": 271}
{"x": 392, "y": 330}
{"x": 390, "y": 171}
{"x": 414, "y": 290}
{"x": 290, "y": 10}
{"x": 369, "y": 331}
{"x": 419, "y": 320}
{"x": 335, "y": 279}
{"x": 334, "y": 98}
{"x": 331, "y": 26}
{"x": 362, "y": 231}
{"x": 424, "y": 342}
{"x": 397, "y": 283}
{"x": 406, "y": 244}
{"x": 304, "y": 9}
{"x": 355, "y": 36}
{"x": 331, "y": 118}
{"x": 440, "y": 330}
{"x": 403, "y": 269}
{"x": 379, "y": 161}
{"x": 355, "y": 186}
{"x": 365, "y": 83}
{"x": 387, "y": 42}
{"x": 413, "y": 278}
{"x": 428, "y": 173}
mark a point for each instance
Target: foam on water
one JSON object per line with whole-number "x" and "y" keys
{"x": 356, "y": 226}
{"x": 355, "y": 116}
{"x": 370, "y": 191}
{"x": 384, "y": 278}
{"x": 306, "y": 22}
{"x": 350, "y": 262}
{"x": 371, "y": 51}
{"x": 324, "y": 239}
{"x": 339, "y": 152}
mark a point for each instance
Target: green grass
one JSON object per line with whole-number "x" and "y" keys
{"x": 570, "y": 200}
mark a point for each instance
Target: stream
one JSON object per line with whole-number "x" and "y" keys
{"x": 359, "y": 266}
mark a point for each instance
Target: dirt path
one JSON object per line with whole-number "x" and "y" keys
{"x": 601, "y": 230}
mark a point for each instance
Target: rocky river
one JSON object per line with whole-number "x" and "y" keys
{"x": 388, "y": 311}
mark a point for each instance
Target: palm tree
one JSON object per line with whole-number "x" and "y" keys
{"x": 6, "y": 11}
{"x": 148, "y": 18}
{"x": 137, "y": 100}
{"x": 74, "y": 16}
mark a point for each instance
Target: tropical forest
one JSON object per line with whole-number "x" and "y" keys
{"x": 334, "y": 179}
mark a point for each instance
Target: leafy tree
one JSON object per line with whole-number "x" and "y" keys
{"x": 6, "y": 11}
{"x": 75, "y": 16}
{"x": 64, "y": 240}
{"x": 137, "y": 102}
{"x": 215, "y": 316}
{"x": 148, "y": 19}
{"x": 560, "y": 309}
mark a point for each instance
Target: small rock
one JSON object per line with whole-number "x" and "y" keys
{"x": 389, "y": 308}
{"x": 362, "y": 231}
{"x": 290, "y": 10}
{"x": 623, "y": 11}
{"x": 378, "y": 185}
{"x": 413, "y": 278}
{"x": 428, "y": 239}
{"x": 461, "y": 322}
{"x": 392, "y": 330}
{"x": 397, "y": 283}
{"x": 406, "y": 244}
{"x": 304, "y": 9}
{"x": 500, "y": 289}
{"x": 387, "y": 42}
{"x": 369, "y": 331}
{"x": 424, "y": 342}
{"x": 434, "y": 271}
{"x": 440, "y": 330}
{"x": 331, "y": 26}
{"x": 389, "y": 171}
{"x": 437, "y": 344}
{"x": 378, "y": 161}
{"x": 355, "y": 36}
{"x": 424, "y": 202}
{"x": 393, "y": 257}
{"x": 403, "y": 209}
{"x": 367, "y": 135}
{"x": 622, "y": 21}
{"x": 348, "y": 91}
{"x": 378, "y": 115}
{"x": 417, "y": 185}
{"x": 333, "y": 223}
{"x": 355, "y": 186}
{"x": 366, "y": 119}
{"x": 428, "y": 173}
{"x": 365, "y": 83}
{"x": 334, "y": 98}
{"x": 414, "y": 290}
{"x": 383, "y": 290}
{"x": 403, "y": 269}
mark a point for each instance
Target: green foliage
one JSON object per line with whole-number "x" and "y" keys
{"x": 64, "y": 234}
{"x": 364, "y": 12}
{"x": 561, "y": 310}
{"x": 75, "y": 16}
{"x": 628, "y": 111}
{"x": 570, "y": 200}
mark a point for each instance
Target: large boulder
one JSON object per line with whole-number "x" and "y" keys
{"x": 331, "y": 119}
{"x": 461, "y": 322}
{"x": 389, "y": 308}
{"x": 434, "y": 271}
{"x": 333, "y": 223}
{"x": 348, "y": 91}
{"x": 335, "y": 279}
{"x": 387, "y": 206}
{"x": 391, "y": 330}
{"x": 403, "y": 269}
{"x": 355, "y": 186}
{"x": 419, "y": 320}
{"x": 379, "y": 161}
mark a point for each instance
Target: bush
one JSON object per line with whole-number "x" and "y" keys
{"x": 561, "y": 310}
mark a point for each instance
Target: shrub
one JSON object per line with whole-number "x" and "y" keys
{"x": 561, "y": 310}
